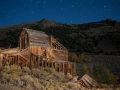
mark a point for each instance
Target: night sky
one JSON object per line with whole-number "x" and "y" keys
{"x": 64, "y": 11}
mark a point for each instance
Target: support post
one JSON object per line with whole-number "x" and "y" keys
{"x": 63, "y": 67}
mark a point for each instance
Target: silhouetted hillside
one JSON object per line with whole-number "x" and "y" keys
{"x": 95, "y": 37}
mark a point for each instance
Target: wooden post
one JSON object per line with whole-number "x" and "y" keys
{"x": 14, "y": 60}
{"x": 71, "y": 69}
{"x": 42, "y": 63}
{"x": 35, "y": 49}
{"x": 18, "y": 60}
{"x": 31, "y": 63}
{"x": 20, "y": 43}
{"x": 52, "y": 64}
{"x": 45, "y": 64}
{"x": 59, "y": 67}
{"x": 50, "y": 40}
{"x": 10, "y": 60}
{"x": 48, "y": 64}
{"x": 38, "y": 63}
{"x": 55, "y": 66}
{"x": 63, "y": 67}
{"x": 75, "y": 67}
{"x": 34, "y": 61}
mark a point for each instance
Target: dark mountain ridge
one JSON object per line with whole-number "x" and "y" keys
{"x": 95, "y": 37}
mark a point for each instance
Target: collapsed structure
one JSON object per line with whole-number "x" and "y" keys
{"x": 87, "y": 81}
{"x": 37, "y": 50}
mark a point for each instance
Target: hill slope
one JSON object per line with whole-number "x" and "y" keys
{"x": 101, "y": 37}
{"x": 96, "y": 37}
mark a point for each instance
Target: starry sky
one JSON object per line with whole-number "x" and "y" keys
{"x": 64, "y": 11}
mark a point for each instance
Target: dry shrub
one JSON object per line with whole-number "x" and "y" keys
{"x": 50, "y": 70}
{"x": 15, "y": 81}
{"x": 5, "y": 78}
{"x": 50, "y": 88}
{"x": 26, "y": 69}
{"x": 6, "y": 69}
{"x": 27, "y": 78}
{"x": 29, "y": 86}
{"x": 38, "y": 86}
{"x": 35, "y": 72}
{"x": 15, "y": 68}
{"x": 44, "y": 75}
{"x": 58, "y": 77}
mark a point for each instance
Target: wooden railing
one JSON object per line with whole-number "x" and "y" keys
{"x": 39, "y": 62}
{"x": 58, "y": 46}
{"x": 60, "y": 66}
{"x": 10, "y": 60}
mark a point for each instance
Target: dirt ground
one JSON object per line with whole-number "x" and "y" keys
{"x": 9, "y": 87}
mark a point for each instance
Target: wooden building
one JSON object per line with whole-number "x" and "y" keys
{"x": 37, "y": 49}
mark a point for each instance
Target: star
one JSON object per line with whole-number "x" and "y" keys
{"x": 19, "y": 14}
{"x": 72, "y": 6}
{"x": 55, "y": 10}
{"x": 8, "y": 16}
{"x": 105, "y": 6}
{"x": 32, "y": 12}
{"x": 14, "y": 20}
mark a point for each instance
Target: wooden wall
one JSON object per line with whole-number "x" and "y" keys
{"x": 36, "y": 50}
{"x": 23, "y": 40}
{"x": 1, "y": 59}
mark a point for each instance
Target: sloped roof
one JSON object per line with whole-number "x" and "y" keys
{"x": 10, "y": 51}
{"x": 38, "y": 38}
